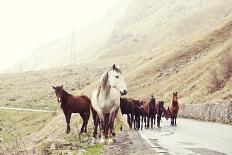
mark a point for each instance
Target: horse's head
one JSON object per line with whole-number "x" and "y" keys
{"x": 174, "y": 98}
{"x": 59, "y": 92}
{"x": 152, "y": 99}
{"x": 116, "y": 80}
{"x": 164, "y": 112}
{"x": 138, "y": 104}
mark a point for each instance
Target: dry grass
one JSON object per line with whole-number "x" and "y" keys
{"x": 222, "y": 73}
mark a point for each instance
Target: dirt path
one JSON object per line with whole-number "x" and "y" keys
{"x": 129, "y": 143}
{"x": 22, "y": 109}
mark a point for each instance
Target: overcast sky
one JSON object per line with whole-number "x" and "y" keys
{"x": 26, "y": 24}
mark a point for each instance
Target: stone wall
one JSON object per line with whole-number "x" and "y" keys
{"x": 216, "y": 112}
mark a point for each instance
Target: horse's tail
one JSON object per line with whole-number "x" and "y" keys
{"x": 121, "y": 119}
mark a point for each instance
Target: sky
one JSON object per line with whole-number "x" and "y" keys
{"x": 26, "y": 24}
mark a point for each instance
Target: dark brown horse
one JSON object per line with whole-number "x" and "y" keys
{"x": 130, "y": 107}
{"x": 138, "y": 112}
{"x": 173, "y": 109}
{"x": 161, "y": 111}
{"x": 73, "y": 104}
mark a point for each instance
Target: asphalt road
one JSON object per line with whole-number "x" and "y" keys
{"x": 190, "y": 137}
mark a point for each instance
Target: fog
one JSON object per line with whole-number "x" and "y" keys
{"x": 26, "y": 24}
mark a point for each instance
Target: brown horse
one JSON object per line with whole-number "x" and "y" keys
{"x": 173, "y": 109}
{"x": 73, "y": 104}
{"x": 149, "y": 111}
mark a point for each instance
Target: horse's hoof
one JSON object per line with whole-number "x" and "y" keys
{"x": 94, "y": 141}
{"x": 102, "y": 140}
{"x": 68, "y": 131}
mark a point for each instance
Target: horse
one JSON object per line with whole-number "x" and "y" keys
{"x": 106, "y": 101}
{"x": 130, "y": 107}
{"x": 73, "y": 104}
{"x": 161, "y": 111}
{"x": 150, "y": 111}
{"x": 138, "y": 111}
{"x": 173, "y": 109}
{"x": 126, "y": 106}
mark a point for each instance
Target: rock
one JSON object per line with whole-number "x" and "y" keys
{"x": 53, "y": 146}
{"x": 12, "y": 98}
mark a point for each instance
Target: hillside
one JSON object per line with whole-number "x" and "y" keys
{"x": 145, "y": 26}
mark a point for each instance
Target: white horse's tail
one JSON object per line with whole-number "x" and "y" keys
{"x": 121, "y": 119}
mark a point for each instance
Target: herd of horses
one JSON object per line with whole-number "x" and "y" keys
{"x": 107, "y": 103}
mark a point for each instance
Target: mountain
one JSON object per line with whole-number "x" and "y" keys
{"x": 139, "y": 32}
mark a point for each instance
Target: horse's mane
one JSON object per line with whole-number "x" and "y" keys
{"x": 102, "y": 82}
{"x": 65, "y": 95}
{"x": 104, "y": 79}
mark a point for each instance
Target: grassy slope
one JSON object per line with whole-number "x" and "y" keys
{"x": 16, "y": 124}
{"x": 34, "y": 89}
{"x": 186, "y": 68}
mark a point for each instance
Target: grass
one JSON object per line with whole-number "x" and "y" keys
{"x": 95, "y": 149}
{"x": 16, "y": 124}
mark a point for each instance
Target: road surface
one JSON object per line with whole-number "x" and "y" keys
{"x": 190, "y": 137}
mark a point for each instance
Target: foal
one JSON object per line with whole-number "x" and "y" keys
{"x": 73, "y": 104}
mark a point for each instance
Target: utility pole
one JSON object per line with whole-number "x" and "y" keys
{"x": 73, "y": 48}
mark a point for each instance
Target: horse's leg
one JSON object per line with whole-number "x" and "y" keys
{"x": 95, "y": 122}
{"x": 135, "y": 121}
{"x": 83, "y": 119}
{"x": 158, "y": 120}
{"x": 154, "y": 119}
{"x": 87, "y": 115}
{"x": 111, "y": 123}
{"x": 113, "y": 132}
{"x": 172, "y": 120}
{"x": 129, "y": 120}
{"x": 102, "y": 127}
{"x": 141, "y": 122}
{"x": 105, "y": 125}
{"x": 68, "y": 117}
{"x": 132, "y": 120}
{"x": 175, "y": 119}
{"x": 148, "y": 121}
{"x": 152, "y": 122}
{"x": 145, "y": 121}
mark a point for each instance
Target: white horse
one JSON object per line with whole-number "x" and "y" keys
{"x": 106, "y": 100}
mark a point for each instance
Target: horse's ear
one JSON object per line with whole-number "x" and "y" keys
{"x": 114, "y": 67}
{"x": 173, "y": 93}
{"x": 53, "y": 87}
{"x": 61, "y": 86}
